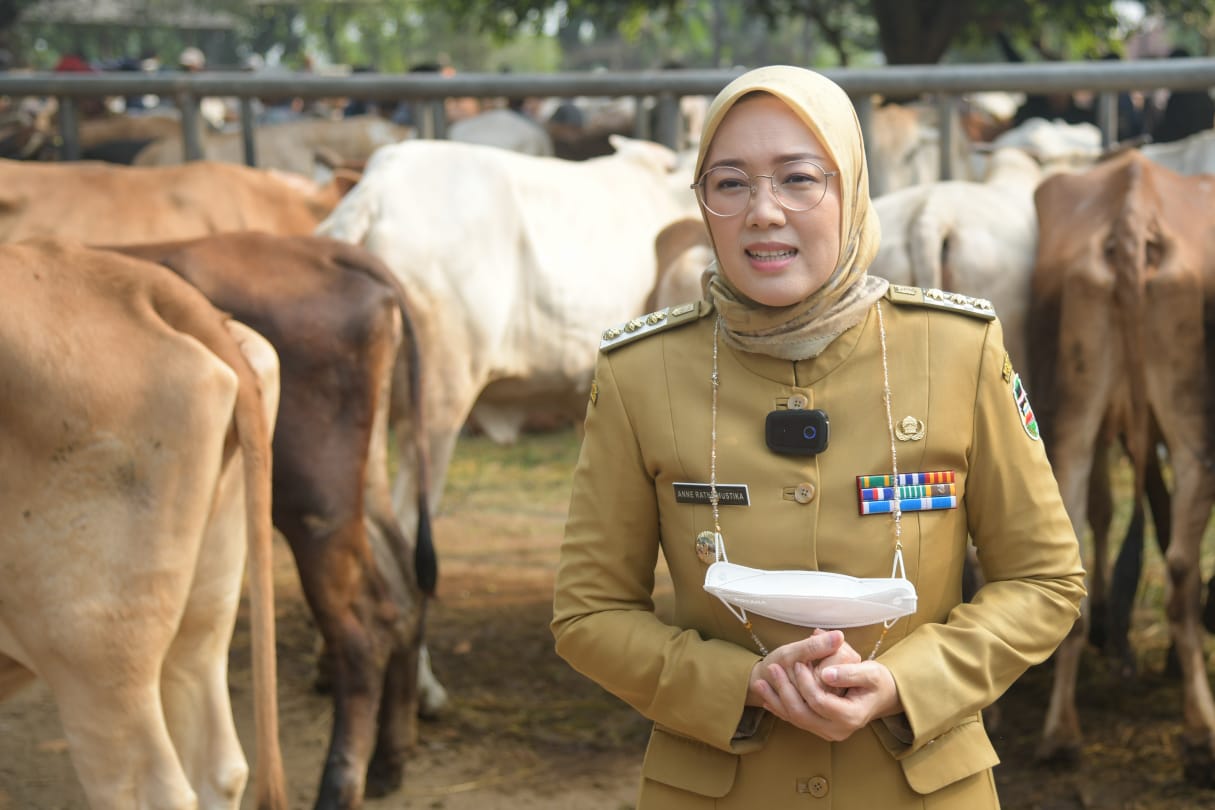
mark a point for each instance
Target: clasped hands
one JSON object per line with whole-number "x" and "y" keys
{"x": 822, "y": 685}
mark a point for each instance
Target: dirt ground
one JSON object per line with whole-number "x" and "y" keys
{"x": 524, "y": 731}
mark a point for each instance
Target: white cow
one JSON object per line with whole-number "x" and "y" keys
{"x": 136, "y": 461}
{"x": 973, "y": 238}
{"x": 517, "y": 264}
{"x": 904, "y": 148}
{"x": 293, "y": 146}
{"x": 1192, "y": 155}
{"x": 505, "y": 129}
{"x": 1056, "y": 145}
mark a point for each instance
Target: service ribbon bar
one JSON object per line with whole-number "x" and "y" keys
{"x": 905, "y": 479}
{"x": 905, "y": 493}
{"x": 909, "y": 505}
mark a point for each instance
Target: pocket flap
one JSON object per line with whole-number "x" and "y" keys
{"x": 958, "y": 753}
{"x": 688, "y": 764}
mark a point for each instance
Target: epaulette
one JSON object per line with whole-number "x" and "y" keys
{"x": 954, "y": 302}
{"x": 652, "y": 323}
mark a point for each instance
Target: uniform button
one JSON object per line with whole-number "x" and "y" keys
{"x": 816, "y": 786}
{"x": 797, "y": 402}
{"x": 804, "y": 493}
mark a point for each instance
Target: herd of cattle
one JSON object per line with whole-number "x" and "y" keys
{"x": 191, "y": 354}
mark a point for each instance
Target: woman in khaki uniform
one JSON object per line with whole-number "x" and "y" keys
{"x": 808, "y": 417}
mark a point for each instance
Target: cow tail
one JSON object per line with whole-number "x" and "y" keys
{"x": 407, "y": 375}
{"x": 929, "y": 246}
{"x": 188, "y": 315}
{"x": 426, "y": 558}
{"x": 1127, "y": 256}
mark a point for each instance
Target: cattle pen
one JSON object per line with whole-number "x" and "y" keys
{"x": 946, "y": 83}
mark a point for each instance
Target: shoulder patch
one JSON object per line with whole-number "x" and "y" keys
{"x": 652, "y": 323}
{"x": 939, "y": 299}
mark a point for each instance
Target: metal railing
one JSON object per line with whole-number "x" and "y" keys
{"x": 946, "y": 82}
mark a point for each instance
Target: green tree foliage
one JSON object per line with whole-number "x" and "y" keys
{"x": 546, "y": 35}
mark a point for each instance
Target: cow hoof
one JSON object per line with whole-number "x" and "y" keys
{"x": 1208, "y": 613}
{"x": 1128, "y": 667}
{"x": 1057, "y": 754}
{"x": 1172, "y": 663}
{"x": 433, "y": 702}
{"x": 383, "y": 778}
{"x": 1198, "y": 761}
{"x": 1098, "y": 631}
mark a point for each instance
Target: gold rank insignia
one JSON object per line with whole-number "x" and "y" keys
{"x": 1007, "y": 370}
{"x": 941, "y": 299}
{"x": 652, "y": 323}
{"x": 594, "y": 391}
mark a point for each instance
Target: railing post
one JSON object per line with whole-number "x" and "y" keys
{"x": 946, "y": 109}
{"x": 190, "y": 141}
{"x": 1107, "y": 118}
{"x": 69, "y": 127}
{"x": 248, "y": 129}
{"x": 864, "y": 114}
{"x": 641, "y": 121}
{"x": 669, "y": 122}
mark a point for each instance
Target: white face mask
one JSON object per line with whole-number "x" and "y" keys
{"x": 810, "y": 598}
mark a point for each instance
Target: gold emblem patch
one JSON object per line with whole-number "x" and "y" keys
{"x": 909, "y": 429}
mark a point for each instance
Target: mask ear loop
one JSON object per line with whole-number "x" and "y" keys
{"x": 719, "y": 544}
{"x": 897, "y": 569}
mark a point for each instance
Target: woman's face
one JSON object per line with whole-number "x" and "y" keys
{"x": 774, "y": 256}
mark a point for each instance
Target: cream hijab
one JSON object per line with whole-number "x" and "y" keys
{"x": 804, "y": 329}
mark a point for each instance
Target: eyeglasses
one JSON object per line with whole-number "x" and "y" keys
{"x": 798, "y": 186}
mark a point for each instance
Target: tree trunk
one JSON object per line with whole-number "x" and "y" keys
{"x": 918, "y": 32}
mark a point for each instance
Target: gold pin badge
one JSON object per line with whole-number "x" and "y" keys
{"x": 909, "y": 429}
{"x": 1006, "y": 371}
{"x": 594, "y": 391}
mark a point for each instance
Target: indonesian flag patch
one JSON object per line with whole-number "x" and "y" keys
{"x": 1028, "y": 420}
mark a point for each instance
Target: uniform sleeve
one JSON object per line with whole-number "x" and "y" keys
{"x": 1030, "y": 559}
{"x": 603, "y": 610}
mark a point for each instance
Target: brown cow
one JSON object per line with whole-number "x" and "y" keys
{"x": 135, "y": 465}
{"x": 103, "y": 203}
{"x": 336, "y": 316}
{"x": 1121, "y": 325}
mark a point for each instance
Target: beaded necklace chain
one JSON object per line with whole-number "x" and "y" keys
{"x": 719, "y": 546}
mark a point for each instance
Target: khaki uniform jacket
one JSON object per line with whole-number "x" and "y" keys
{"x": 648, "y": 428}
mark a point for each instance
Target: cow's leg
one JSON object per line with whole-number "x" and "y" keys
{"x": 1100, "y": 516}
{"x": 338, "y": 577}
{"x": 119, "y": 744}
{"x": 1191, "y": 507}
{"x": 1124, "y": 582}
{"x": 1061, "y": 735}
{"x": 194, "y": 680}
{"x": 433, "y": 699}
{"x": 397, "y": 722}
{"x": 102, "y": 657}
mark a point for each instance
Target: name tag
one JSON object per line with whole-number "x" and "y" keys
{"x": 727, "y": 494}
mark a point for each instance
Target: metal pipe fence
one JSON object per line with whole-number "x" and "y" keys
{"x": 945, "y": 82}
